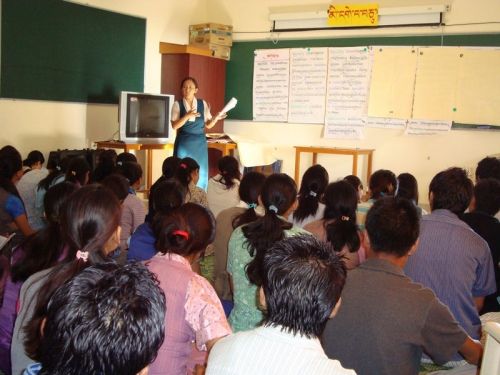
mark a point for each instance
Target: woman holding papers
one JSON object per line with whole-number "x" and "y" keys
{"x": 190, "y": 117}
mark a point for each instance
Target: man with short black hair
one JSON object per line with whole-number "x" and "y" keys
{"x": 106, "y": 320}
{"x": 386, "y": 321}
{"x": 481, "y": 218}
{"x": 488, "y": 167}
{"x": 301, "y": 284}
{"x": 452, "y": 259}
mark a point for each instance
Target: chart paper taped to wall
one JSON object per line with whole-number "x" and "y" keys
{"x": 392, "y": 82}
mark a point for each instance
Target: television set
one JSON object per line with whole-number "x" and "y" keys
{"x": 145, "y": 118}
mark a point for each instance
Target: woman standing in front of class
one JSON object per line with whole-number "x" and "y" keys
{"x": 190, "y": 117}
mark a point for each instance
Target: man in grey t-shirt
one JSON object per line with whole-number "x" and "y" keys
{"x": 386, "y": 321}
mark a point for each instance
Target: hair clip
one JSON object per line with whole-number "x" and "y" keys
{"x": 313, "y": 194}
{"x": 252, "y": 205}
{"x": 182, "y": 233}
{"x": 58, "y": 167}
{"x": 83, "y": 255}
{"x": 120, "y": 163}
{"x": 183, "y": 165}
{"x": 273, "y": 208}
{"x": 344, "y": 218}
{"x": 73, "y": 173}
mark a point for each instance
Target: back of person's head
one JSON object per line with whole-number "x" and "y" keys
{"x": 393, "y": 226}
{"x": 354, "y": 181}
{"x": 186, "y": 231}
{"x": 341, "y": 201}
{"x": 487, "y": 196}
{"x": 451, "y": 190}
{"x": 382, "y": 183}
{"x": 407, "y": 187}
{"x": 43, "y": 248}
{"x": 167, "y": 196}
{"x": 105, "y": 165}
{"x": 488, "y": 167}
{"x": 249, "y": 191}
{"x": 117, "y": 184}
{"x": 169, "y": 166}
{"x": 109, "y": 319}
{"x": 131, "y": 170}
{"x": 11, "y": 166}
{"x": 90, "y": 231}
{"x": 302, "y": 280}
{"x": 57, "y": 167}
{"x": 78, "y": 171}
{"x": 185, "y": 171}
{"x": 312, "y": 187}
{"x": 278, "y": 194}
{"x": 124, "y": 157}
{"x": 33, "y": 158}
{"x": 229, "y": 169}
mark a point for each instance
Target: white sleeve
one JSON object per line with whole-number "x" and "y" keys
{"x": 206, "y": 109}
{"x": 175, "y": 112}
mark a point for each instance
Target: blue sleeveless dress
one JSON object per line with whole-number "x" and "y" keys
{"x": 192, "y": 142}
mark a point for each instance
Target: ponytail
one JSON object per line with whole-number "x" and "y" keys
{"x": 341, "y": 200}
{"x": 312, "y": 187}
{"x": 278, "y": 195}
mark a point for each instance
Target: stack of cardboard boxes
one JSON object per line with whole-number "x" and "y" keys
{"x": 212, "y": 36}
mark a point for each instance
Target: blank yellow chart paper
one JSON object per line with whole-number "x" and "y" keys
{"x": 436, "y": 83}
{"x": 393, "y": 78}
{"x": 478, "y": 90}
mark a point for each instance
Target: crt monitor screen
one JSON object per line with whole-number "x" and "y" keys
{"x": 147, "y": 116}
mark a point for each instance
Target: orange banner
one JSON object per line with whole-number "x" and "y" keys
{"x": 344, "y": 15}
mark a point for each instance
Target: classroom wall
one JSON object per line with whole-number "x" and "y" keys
{"x": 51, "y": 125}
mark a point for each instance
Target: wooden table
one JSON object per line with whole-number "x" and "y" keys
{"x": 355, "y": 152}
{"x": 147, "y": 147}
{"x": 225, "y": 148}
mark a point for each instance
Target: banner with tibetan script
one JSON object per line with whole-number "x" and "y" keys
{"x": 353, "y": 15}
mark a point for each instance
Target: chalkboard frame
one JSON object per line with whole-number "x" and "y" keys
{"x": 239, "y": 70}
{"x": 60, "y": 51}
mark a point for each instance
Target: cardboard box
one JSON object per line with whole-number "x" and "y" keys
{"x": 221, "y": 52}
{"x": 211, "y": 33}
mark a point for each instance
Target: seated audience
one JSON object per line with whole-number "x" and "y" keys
{"x": 386, "y": 321}
{"x": 246, "y": 211}
{"x": 451, "y": 259}
{"x": 78, "y": 171}
{"x": 222, "y": 190}
{"x": 194, "y": 312}
{"x": 311, "y": 191}
{"x": 168, "y": 171}
{"x": 250, "y": 242}
{"x": 40, "y": 251}
{"x": 288, "y": 341}
{"x": 57, "y": 171}
{"x": 28, "y": 185}
{"x": 188, "y": 174}
{"x": 13, "y": 217}
{"x": 357, "y": 185}
{"x": 167, "y": 196}
{"x": 408, "y": 189}
{"x": 488, "y": 167}
{"x": 90, "y": 228}
{"x": 105, "y": 166}
{"x": 382, "y": 183}
{"x": 338, "y": 225}
{"x": 120, "y": 313}
{"x": 133, "y": 208}
{"x": 124, "y": 157}
{"x": 485, "y": 205}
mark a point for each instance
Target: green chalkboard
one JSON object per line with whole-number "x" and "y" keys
{"x": 61, "y": 51}
{"x": 239, "y": 70}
